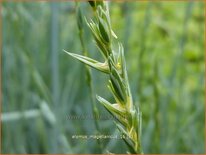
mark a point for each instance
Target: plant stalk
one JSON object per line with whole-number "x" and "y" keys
{"x": 88, "y": 72}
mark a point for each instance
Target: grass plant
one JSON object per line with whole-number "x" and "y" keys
{"x": 128, "y": 117}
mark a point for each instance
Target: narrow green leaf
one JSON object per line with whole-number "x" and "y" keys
{"x": 116, "y": 96}
{"x": 117, "y": 87}
{"x": 127, "y": 140}
{"x": 103, "y": 67}
{"x": 95, "y": 32}
{"x": 134, "y": 118}
{"x": 104, "y": 31}
{"x": 111, "y": 107}
{"x": 102, "y": 49}
{"x": 114, "y": 109}
{"x": 105, "y": 15}
{"x": 124, "y": 71}
{"x": 118, "y": 83}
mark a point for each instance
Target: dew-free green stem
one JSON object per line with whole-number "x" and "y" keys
{"x": 88, "y": 72}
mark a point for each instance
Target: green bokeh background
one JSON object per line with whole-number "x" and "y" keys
{"x": 42, "y": 85}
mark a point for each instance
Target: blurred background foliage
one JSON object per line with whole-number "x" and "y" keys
{"x": 42, "y": 86}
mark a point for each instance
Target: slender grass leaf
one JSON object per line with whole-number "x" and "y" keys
{"x": 111, "y": 107}
{"x": 103, "y": 67}
{"x": 128, "y": 142}
{"x": 104, "y": 31}
{"x": 117, "y": 87}
{"x": 116, "y": 96}
{"x": 114, "y": 109}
